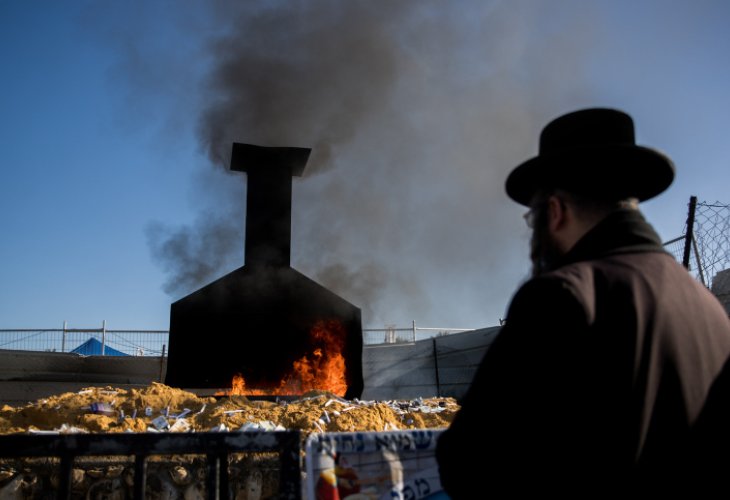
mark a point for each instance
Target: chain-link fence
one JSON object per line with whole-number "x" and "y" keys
{"x": 704, "y": 246}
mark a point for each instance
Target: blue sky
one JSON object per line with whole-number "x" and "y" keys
{"x": 115, "y": 119}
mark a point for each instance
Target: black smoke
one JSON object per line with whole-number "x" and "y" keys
{"x": 415, "y": 111}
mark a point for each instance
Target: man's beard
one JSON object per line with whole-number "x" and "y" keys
{"x": 544, "y": 252}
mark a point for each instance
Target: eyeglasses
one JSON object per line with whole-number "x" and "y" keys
{"x": 529, "y": 217}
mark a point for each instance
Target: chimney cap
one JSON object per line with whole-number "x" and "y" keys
{"x": 249, "y": 157}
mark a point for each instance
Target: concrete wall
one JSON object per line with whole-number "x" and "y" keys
{"x": 441, "y": 366}
{"x": 27, "y": 375}
{"x": 458, "y": 358}
{"x": 399, "y": 371}
{"x": 721, "y": 288}
{"x": 69, "y": 367}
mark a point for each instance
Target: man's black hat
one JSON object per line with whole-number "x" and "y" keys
{"x": 592, "y": 152}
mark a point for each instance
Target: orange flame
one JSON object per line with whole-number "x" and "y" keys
{"x": 322, "y": 369}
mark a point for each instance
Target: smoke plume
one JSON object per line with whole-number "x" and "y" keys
{"x": 416, "y": 111}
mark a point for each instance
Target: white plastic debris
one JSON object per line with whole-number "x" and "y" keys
{"x": 180, "y": 425}
{"x": 102, "y": 409}
{"x": 64, "y": 429}
{"x": 181, "y": 414}
{"x": 219, "y": 428}
{"x": 71, "y": 429}
{"x": 160, "y": 423}
{"x": 430, "y": 409}
{"x": 249, "y": 426}
{"x": 261, "y": 425}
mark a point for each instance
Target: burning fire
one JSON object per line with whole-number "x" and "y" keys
{"x": 321, "y": 369}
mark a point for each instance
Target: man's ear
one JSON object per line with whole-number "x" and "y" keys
{"x": 557, "y": 212}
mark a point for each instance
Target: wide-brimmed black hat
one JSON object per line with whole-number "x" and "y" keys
{"x": 592, "y": 152}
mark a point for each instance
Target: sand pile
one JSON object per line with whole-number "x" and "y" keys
{"x": 160, "y": 408}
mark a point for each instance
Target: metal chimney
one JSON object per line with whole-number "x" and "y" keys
{"x": 256, "y": 320}
{"x": 268, "y": 202}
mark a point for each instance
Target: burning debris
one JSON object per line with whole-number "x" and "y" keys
{"x": 159, "y": 408}
{"x": 321, "y": 369}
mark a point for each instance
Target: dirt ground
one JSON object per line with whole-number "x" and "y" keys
{"x": 160, "y": 408}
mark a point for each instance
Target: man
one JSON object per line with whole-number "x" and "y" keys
{"x": 595, "y": 383}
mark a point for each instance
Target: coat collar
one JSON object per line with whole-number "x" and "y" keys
{"x": 623, "y": 231}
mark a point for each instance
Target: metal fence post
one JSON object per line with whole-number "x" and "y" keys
{"x": 103, "y": 337}
{"x": 414, "y": 330}
{"x": 700, "y": 271}
{"x": 436, "y": 367}
{"x": 690, "y": 229}
{"x": 162, "y": 361}
{"x": 63, "y": 338}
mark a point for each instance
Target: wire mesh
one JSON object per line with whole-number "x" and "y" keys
{"x": 710, "y": 243}
{"x": 712, "y": 235}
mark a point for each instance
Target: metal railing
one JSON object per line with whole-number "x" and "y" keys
{"x": 106, "y": 342}
{"x": 86, "y": 341}
{"x": 218, "y": 448}
{"x": 393, "y": 335}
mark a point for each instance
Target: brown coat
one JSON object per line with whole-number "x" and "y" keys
{"x": 595, "y": 383}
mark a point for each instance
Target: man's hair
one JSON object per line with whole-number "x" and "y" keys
{"x": 591, "y": 207}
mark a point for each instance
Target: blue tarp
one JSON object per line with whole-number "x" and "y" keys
{"x": 92, "y": 347}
